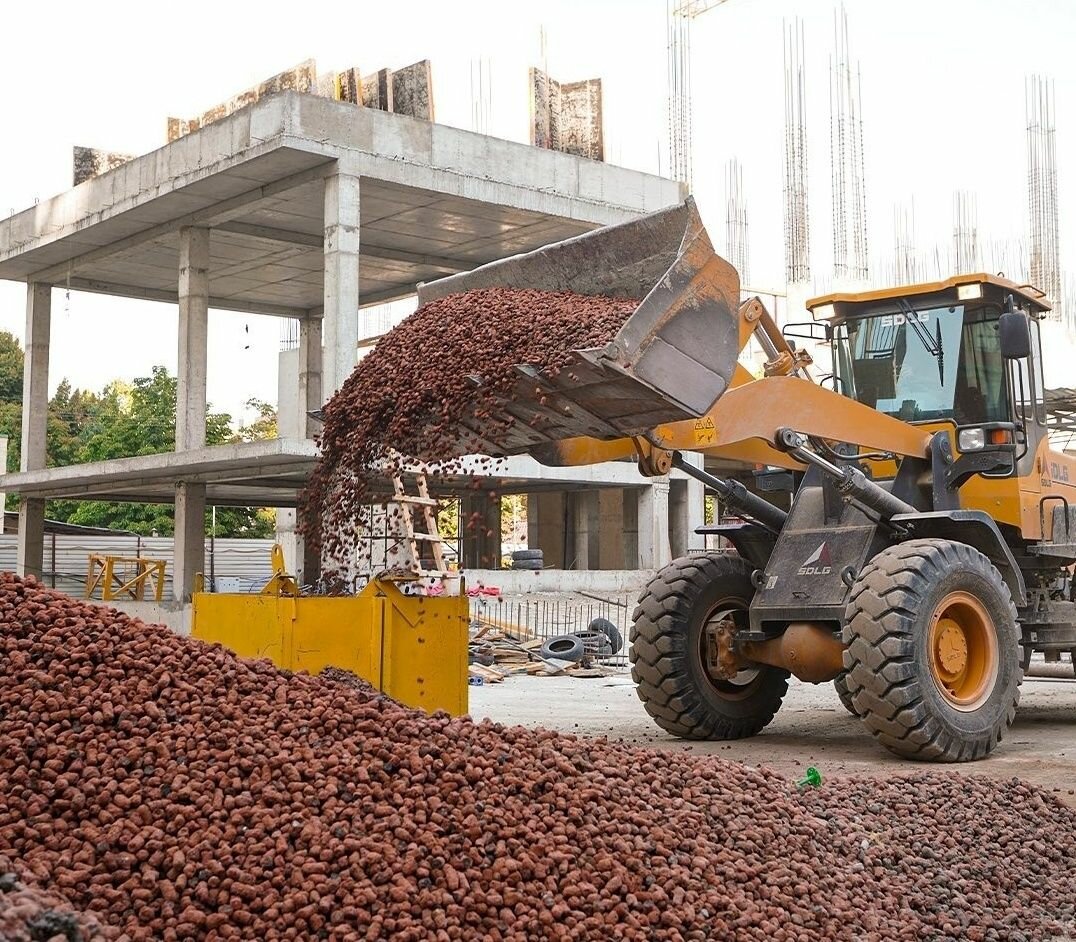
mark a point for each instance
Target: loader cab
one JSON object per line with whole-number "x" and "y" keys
{"x": 933, "y": 354}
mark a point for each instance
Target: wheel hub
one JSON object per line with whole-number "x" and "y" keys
{"x": 952, "y": 647}
{"x": 963, "y": 651}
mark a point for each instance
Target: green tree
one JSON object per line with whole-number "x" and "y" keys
{"x": 261, "y": 429}
{"x": 11, "y": 364}
{"x": 137, "y": 419}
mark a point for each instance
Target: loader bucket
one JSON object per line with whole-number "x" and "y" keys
{"x": 671, "y": 360}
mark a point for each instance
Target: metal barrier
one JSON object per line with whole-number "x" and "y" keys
{"x": 547, "y": 618}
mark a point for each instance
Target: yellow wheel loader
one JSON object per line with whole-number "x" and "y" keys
{"x": 926, "y": 543}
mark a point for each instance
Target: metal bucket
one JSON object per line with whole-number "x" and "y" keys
{"x": 672, "y": 359}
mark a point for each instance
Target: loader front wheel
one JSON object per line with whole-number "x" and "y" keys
{"x": 672, "y": 653}
{"x": 933, "y": 657}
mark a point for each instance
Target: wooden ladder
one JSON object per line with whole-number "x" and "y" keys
{"x": 429, "y": 534}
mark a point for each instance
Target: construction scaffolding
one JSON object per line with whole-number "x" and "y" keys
{"x": 736, "y": 221}
{"x": 797, "y": 221}
{"x": 1044, "y": 261}
{"x": 848, "y": 185}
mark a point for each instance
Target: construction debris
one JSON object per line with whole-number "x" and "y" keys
{"x": 177, "y": 792}
{"x": 418, "y": 403}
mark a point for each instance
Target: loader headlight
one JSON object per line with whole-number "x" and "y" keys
{"x": 970, "y": 292}
{"x": 971, "y": 439}
{"x": 823, "y": 312}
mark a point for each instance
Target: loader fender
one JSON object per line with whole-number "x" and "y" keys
{"x": 975, "y": 528}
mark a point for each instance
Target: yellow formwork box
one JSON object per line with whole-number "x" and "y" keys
{"x": 411, "y": 647}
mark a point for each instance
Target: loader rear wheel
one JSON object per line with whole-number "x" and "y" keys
{"x": 671, "y": 648}
{"x": 933, "y": 657}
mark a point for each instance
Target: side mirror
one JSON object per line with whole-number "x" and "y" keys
{"x": 1014, "y": 336}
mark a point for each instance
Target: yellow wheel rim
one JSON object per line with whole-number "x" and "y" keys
{"x": 963, "y": 650}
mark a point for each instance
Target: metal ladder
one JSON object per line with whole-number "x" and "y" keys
{"x": 429, "y": 534}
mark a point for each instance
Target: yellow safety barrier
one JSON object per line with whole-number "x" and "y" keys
{"x": 101, "y": 574}
{"x": 413, "y": 648}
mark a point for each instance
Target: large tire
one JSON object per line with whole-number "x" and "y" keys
{"x": 668, "y": 662}
{"x": 933, "y": 656}
{"x": 840, "y": 684}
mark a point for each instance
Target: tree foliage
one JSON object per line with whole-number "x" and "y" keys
{"x": 125, "y": 419}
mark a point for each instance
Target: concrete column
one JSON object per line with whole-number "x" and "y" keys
{"x": 35, "y": 411}
{"x": 481, "y": 534}
{"x": 3, "y": 470}
{"x": 189, "y": 553}
{"x": 193, "y": 337}
{"x": 610, "y": 528}
{"x": 546, "y": 528}
{"x": 654, "y": 548}
{"x": 629, "y": 502}
{"x": 310, "y": 375}
{"x": 340, "y": 320}
{"x": 694, "y": 511}
{"x": 587, "y": 537}
{"x": 298, "y": 393}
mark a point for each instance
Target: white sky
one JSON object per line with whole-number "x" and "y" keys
{"x": 942, "y": 93}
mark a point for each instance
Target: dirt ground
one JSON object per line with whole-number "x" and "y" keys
{"x": 812, "y": 728}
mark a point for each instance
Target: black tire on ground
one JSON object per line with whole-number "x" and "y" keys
{"x": 919, "y": 698}
{"x": 535, "y": 564}
{"x": 563, "y": 648}
{"x": 596, "y": 643}
{"x": 840, "y": 684}
{"x": 616, "y": 639}
{"x": 526, "y": 554}
{"x": 668, "y": 661}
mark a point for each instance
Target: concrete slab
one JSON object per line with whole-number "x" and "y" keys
{"x": 273, "y": 473}
{"x": 435, "y": 200}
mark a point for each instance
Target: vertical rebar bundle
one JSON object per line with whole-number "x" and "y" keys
{"x": 481, "y": 96}
{"x": 797, "y": 221}
{"x": 736, "y": 221}
{"x": 906, "y": 267}
{"x": 679, "y": 101}
{"x": 848, "y": 181}
{"x": 965, "y": 233}
{"x": 1044, "y": 261}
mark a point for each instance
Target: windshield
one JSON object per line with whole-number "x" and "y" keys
{"x": 925, "y": 364}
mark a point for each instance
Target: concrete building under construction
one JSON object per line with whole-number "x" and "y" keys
{"x": 304, "y": 207}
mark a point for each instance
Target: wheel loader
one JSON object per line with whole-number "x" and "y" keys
{"x": 923, "y": 549}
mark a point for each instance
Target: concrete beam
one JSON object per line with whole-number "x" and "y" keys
{"x": 193, "y": 339}
{"x": 189, "y": 553}
{"x": 96, "y": 286}
{"x": 291, "y": 237}
{"x": 340, "y": 308}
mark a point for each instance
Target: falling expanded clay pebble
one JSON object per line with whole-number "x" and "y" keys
{"x": 408, "y": 398}
{"x": 173, "y": 791}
